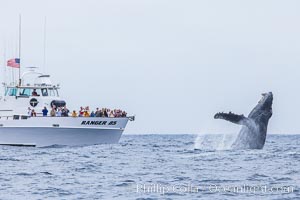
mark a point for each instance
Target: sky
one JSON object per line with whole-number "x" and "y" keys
{"x": 173, "y": 64}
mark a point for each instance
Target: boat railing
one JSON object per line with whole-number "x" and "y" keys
{"x": 22, "y": 117}
{"x": 6, "y": 117}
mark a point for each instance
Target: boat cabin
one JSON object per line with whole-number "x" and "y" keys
{"x": 37, "y": 94}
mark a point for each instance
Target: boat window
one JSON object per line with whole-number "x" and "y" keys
{"x": 51, "y": 92}
{"x": 44, "y": 92}
{"x": 25, "y": 92}
{"x": 12, "y": 92}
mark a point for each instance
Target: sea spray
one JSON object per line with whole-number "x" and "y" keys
{"x": 214, "y": 141}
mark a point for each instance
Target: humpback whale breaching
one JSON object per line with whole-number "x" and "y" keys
{"x": 254, "y": 130}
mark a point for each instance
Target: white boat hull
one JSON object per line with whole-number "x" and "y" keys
{"x": 57, "y": 136}
{"x": 47, "y": 131}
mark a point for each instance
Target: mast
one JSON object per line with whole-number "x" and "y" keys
{"x": 4, "y": 63}
{"x": 44, "y": 64}
{"x": 20, "y": 49}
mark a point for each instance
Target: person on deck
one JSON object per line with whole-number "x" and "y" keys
{"x": 65, "y": 112}
{"x": 124, "y": 114}
{"x": 45, "y": 112}
{"x": 86, "y": 114}
{"x": 111, "y": 114}
{"x": 101, "y": 114}
{"x": 53, "y": 113}
{"x": 29, "y": 112}
{"x": 92, "y": 114}
{"x": 58, "y": 112}
{"x": 33, "y": 113}
{"x": 105, "y": 114}
{"x": 74, "y": 114}
{"x": 81, "y": 112}
{"x": 97, "y": 113}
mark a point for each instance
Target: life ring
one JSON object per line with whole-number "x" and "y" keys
{"x": 33, "y": 102}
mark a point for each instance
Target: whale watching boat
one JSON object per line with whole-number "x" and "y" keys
{"x": 17, "y": 128}
{"x": 35, "y": 91}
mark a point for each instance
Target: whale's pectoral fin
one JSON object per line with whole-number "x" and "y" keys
{"x": 234, "y": 118}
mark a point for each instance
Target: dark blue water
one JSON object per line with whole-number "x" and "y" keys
{"x": 153, "y": 167}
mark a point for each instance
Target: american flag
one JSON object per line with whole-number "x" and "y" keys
{"x": 15, "y": 62}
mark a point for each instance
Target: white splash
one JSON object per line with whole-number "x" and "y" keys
{"x": 214, "y": 141}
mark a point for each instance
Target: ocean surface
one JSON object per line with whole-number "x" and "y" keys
{"x": 154, "y": 167}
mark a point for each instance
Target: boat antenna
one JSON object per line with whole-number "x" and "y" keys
{"x": 44, "y": 64}
{"x": 4, "y": 59}
{"x": 20, "y": 49}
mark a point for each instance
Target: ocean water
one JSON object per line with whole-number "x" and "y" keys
{"x": 154, "y": 167}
